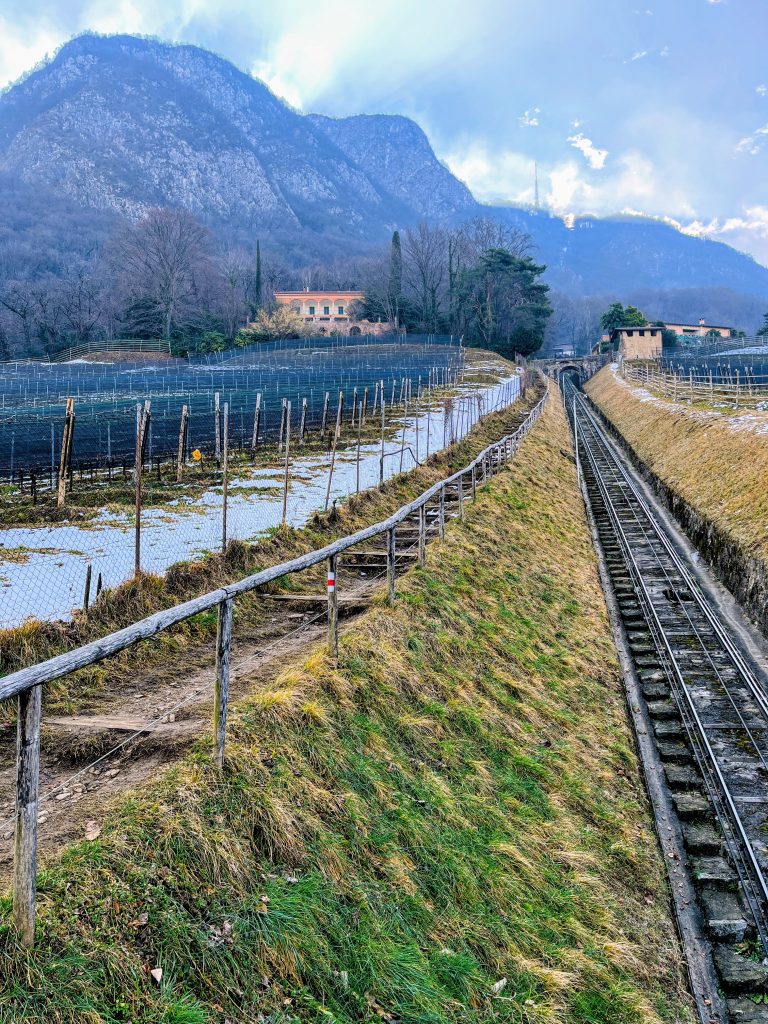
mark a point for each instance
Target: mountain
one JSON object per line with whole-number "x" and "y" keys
{"x": 396, "y": 155}
{"x": 113, "y": 126}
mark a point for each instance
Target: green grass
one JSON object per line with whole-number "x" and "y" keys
{"x": 456, "y": 804}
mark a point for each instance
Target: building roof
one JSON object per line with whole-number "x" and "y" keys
{"x": 306, "y": 293}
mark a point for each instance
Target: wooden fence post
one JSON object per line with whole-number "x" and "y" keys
{"x": 474, "y": 483}
{"x": 183, "y": 427}
{"x": 391, "y": 556}
{"x": 381, "y": 455}
{"x": 65, "y": 463}
{"x": 333, "y": 610}
{"x": 256, "y": 422}
{"x": 460, "y": 494}
{"x": 221, "y": 687}
{"x": 303, "y": 424}
{"x": 87, "y": 594}
{"x": 441, "y": 517}
{"x": 339, "y": 408}
{"x": 27, "y": 785}
{"x": 325, "y": 416}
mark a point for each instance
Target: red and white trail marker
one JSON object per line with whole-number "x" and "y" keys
{"x": 331, "y": 582}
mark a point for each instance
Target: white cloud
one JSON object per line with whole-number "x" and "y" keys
{"x": 595, "y": 157}
{"x": 637, "y": 55}
{"x": 753, "y": 144}
{"x": 762, "y": 90}
{"x": 664, "y": 51}
{"x": 530, "y": 118}
{"x": 18, "y": 55}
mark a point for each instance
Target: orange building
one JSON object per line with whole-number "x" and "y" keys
{"x": 330, "y": 311}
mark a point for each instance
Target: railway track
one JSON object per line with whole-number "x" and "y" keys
{"x": 708, "y": 705}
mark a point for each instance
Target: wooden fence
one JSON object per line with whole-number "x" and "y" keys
{"x": 26, "y": 684}
{"x": 738, "y": 388}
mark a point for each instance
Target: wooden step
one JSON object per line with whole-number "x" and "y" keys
{"x": 121, "y": 723}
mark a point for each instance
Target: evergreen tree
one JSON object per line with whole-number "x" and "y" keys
{"x": 395, "y": 274}
{"x": 763, "y": 332}
{"x": 502, "y": 303}
{"x": 619, "y": 316}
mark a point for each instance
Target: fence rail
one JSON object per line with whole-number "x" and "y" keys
{"x": 741, "y": 388}
{"x": 26, "y": 684}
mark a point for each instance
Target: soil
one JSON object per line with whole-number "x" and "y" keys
{"x": 80, "y": 775}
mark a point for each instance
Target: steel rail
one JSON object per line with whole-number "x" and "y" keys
{"x": 592, "y": 437}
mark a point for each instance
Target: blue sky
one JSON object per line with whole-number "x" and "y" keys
{"x": 659, "y": 107}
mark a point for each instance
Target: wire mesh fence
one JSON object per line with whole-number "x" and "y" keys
{"x": 167, "y": 473}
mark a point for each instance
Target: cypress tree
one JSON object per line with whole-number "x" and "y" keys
{"x": 396, "y": 268}
{"x": 258, "y": 276}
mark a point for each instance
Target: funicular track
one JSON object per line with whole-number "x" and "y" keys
{"x": 707, "y": 704}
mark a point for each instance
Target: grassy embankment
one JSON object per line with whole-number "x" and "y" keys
{"x": 456, "y": 804}
{"x": 712, "y": 466}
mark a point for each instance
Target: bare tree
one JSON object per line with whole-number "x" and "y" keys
{"x": 162, "y": 259}
{"x": 234, "y": 267}
{"x": 81, "y": 304}
{"x": 424, "y": 265}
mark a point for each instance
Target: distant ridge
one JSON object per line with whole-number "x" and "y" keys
{"x": 114, "y": 125}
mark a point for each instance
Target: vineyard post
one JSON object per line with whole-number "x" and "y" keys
{"x": 324, "y": 420}
{"x": 66, "y": 451}
{"x": 87, "y": 594}
{"x": 182, "y": 442}
{"x": 303, "y": 424}
{"x": 225, "y": 480}
{"x": 256, "y": 420}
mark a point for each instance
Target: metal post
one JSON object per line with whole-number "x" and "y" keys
{"x": 422, "y": 535}
{"x": 225, "y": 480}
{"x": 391, "y": 555}
{"x": 286, "y": 482}
{"x": 27, "y": 785}
{"x": 221, "y": 686}
{"x": 143, "y": 421}
{"x": 357, "y": 463}
{"x": 381, "y": 456}
{"x": 217, "y": 426}
{"x": 333, "y": 610}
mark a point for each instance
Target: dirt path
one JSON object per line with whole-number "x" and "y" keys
{"x": 79, "y": 773}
